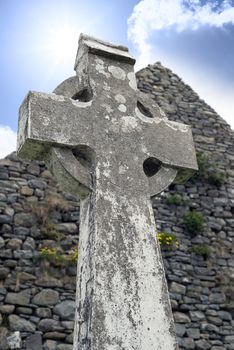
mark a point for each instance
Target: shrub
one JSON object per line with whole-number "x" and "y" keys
{"x": 202, "y": 250}
{"x": 167, "y": 240}
{"x": 208, "y": 171}
{"x": 175, "y": 199}
{"x": 59, "y": 258}
{"x": 194, "y": 222}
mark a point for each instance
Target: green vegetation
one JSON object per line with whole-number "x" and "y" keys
{"x": 167, "y": 240}
{"x": 194, "y": 222}
{"x": 175, "y": 199}
{"x": 57, "y": 257}
{"x": 201, "y": 250}
{"x": 208, "y": 171}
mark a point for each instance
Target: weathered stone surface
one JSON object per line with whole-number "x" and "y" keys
{"x": 36, "y": 183}
{"x": 21, "y": 298}
{"x": 34, "y": 342}
{"x": 46, "y": 297}
{"x": 7, "y": 309}
{"x": 24, "y": 219}
{"x": 177, "y": 288}
{"x": 202, "y": 344}
{"x": 64, "y": 347}
{"x": 43, "y": 312}
{"x": 50, "y": 345}
{"x": 47, "y": 325}
{"x": 179, "y": 317}
{"x": 17, "y": 323}
{"x": 66, "y": 310}
{"x": 14, "y": 341}
{"x": 26, "y": 191}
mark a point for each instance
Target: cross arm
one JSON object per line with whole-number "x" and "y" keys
{"x": 172, "y": 144}
{"x": 47, "y": 120}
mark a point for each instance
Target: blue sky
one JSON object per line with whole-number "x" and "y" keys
{"x": 194, "y": 38}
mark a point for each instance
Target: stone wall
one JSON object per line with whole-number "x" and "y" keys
{"x": 201, "y": 290}
{"x": 38, "y": 240}
{"x": 39, "y": 232}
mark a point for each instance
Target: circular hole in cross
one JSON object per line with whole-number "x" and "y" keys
{"x": 145, "y": 111}
{"x": 84, "y": 95}
{"x": 151, "y": 166}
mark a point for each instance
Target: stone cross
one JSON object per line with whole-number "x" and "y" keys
{"x": 111, "y": 144}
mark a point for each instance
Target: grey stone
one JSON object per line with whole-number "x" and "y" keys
{"x": 14, "y": 243}
{"x": 66, "y": 310}
{"x": 67, "y": 228}
{"x": 64, "y": 347}
{"x": 50, "y": 345}
{"x": 36, "y": 183}
{"x": 180, "y": 329}
{"x": 14, "y": 340}
{"x": 177, "y": 288}
{"x": 23, "y": 254}
{"x": 17, "y": 323}
{"x": 224, "y": 315}
{"x": 24, "y": 219}
{"x": 21, "y": 298}
{"x": 229, "y": 339}
{"x": 202, "y": 344}
{"x": 29, "y": 244}
{"x": 197, "y": 315}
{"x": 193, "y": 333}
{"x": 46, "y": 297}
{"x": 33, "y": 169}
{"x": 48, "y": 324}
{"x": 23, "y": 310}
{"x": 209, "y": 327}
{"x": 5, "y": 219}
{"x": 217, "y": 298}
{"x": 43, "y": 312}
{"x": 34, "y": 342}
{"x": 4, "y": 271}
{"x": 7, "y": 309}
{"x": 2, "y": 242}
{"x": 187, "y": 343}
{"x": 180, "y": 317}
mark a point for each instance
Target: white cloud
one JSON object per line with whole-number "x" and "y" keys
{"x": 7, "y": 140}
{"x": 154, "y": 15}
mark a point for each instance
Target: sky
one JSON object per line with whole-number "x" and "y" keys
{"x": 39, "y": 39}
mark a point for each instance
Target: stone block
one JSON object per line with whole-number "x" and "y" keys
{"x": 17, "y": 323}
{"x": 46, "y": 297}
{"x": 177, "y": 288}
{"x": 24, "y": 219}
{"x": 197, "y": 315}
{"x": 48, "y": 325}
{"x": 193, "y": 333}
{"x": 34, "y": 342}
{"x": 26, "y": 191}
{"x": 180, "y": 317}
{"x": 14, "y": 341}
{"x": 37, "y": 183}
{"x": 202, "y": 344}
{"x": 66, "y": 310}
{"x": 21, "y": 298}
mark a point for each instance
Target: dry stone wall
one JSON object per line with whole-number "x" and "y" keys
{"x": 39, "y": 232}
{"x": 38, "y": 240}
{"x": 201, "y": 287}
